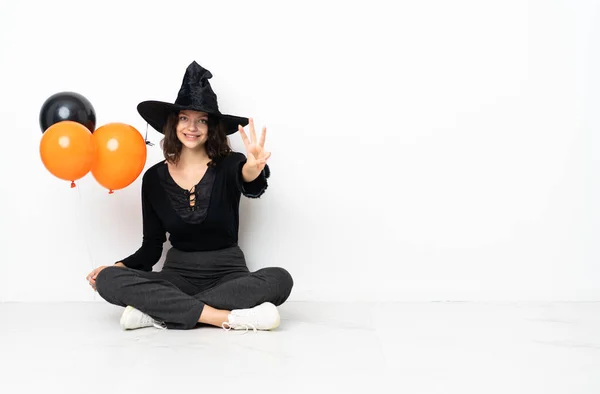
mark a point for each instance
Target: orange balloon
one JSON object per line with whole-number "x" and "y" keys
{"x": 120, "y": 155}
{"x": 67, "y": 150}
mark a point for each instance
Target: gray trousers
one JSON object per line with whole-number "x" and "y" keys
{"x": 189, "y": 280}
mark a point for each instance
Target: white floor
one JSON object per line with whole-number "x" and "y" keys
{"x": 319, "y": 348}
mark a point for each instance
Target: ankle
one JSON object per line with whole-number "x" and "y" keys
{"x": 213, "y": 316}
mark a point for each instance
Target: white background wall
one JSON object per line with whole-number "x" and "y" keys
{"x": 430, "y": 150}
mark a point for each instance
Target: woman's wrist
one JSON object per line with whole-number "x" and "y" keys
{"x": 249, "y": 174}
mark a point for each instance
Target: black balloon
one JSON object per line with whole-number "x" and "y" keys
{"x": 67, "y": 106}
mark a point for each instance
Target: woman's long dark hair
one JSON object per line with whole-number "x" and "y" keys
{"x": 217, "y": 145}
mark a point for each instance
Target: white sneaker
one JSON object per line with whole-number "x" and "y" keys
{"x": 262, "y": 317}
{"x": 133, "y": 318}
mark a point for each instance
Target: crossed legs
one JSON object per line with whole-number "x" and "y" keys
{"x": 172, "y": 299}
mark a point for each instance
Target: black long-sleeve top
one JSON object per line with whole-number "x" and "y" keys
{"x": 210, "y": 223}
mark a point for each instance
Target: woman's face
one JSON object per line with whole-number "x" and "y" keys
{"x": 192, "y": 128}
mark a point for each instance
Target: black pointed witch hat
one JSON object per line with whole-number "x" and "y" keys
{"x": 195, "y": 94}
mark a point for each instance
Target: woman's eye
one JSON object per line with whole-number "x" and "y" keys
{"x": 182, "y": 118}
{"x": 203, "y": 121}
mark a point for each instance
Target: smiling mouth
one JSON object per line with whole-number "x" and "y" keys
{"x": 191, "y": 137}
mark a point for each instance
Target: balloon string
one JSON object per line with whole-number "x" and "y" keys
{"x": 84, "y": 233}
{"x": 146, "y": 137}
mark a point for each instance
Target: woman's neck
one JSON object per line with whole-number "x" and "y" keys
{"x": 195, "y": 157}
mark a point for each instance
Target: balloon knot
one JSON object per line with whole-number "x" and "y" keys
{"x": 72, "y": 184}
{"x": 110, "y": 191}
